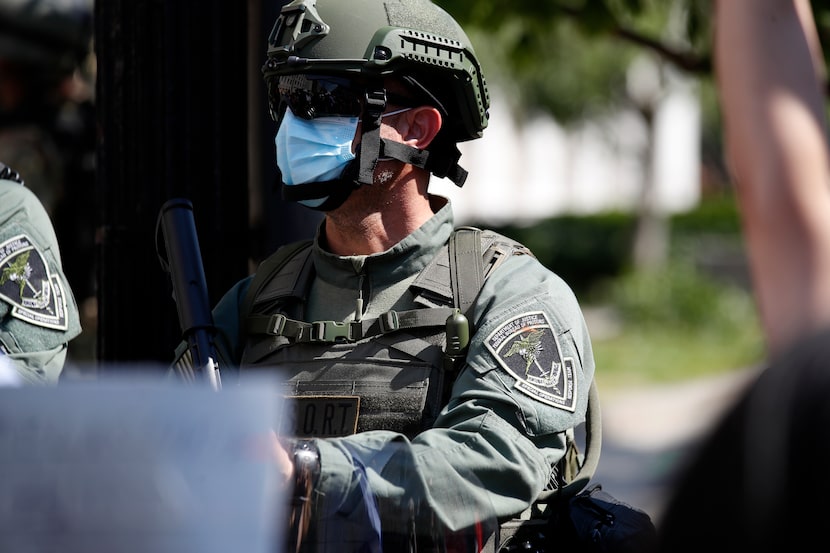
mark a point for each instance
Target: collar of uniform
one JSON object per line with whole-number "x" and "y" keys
{"x": 403, "y": 260}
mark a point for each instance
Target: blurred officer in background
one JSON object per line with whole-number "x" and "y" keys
{"x": 38, "y": 313}
{"x": 47, "y": 129}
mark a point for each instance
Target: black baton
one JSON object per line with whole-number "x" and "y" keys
{"x": 184, "y": 263}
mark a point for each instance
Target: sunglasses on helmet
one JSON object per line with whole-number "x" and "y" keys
{"x": 310, "y": 96}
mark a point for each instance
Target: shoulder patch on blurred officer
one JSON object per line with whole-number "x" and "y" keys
{"x": 38, "y": 312}
{"x": 36, "y": 296}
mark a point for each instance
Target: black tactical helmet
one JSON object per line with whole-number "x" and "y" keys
{"x": 363, "y": 39}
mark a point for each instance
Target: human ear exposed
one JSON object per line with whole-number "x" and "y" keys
{"x": 424, "y": 124}
{"x": 416, "y": 127}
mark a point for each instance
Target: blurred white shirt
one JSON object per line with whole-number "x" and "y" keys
{"x": 8, "y": 373}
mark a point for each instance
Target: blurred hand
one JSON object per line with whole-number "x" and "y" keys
{"x": 285, "y": 464}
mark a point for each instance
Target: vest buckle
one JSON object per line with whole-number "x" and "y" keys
{"x": 389, "y": 321}
{"x": 276, "y": 324}
{"x": 330, "y": 331}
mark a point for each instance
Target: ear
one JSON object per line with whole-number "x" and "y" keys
{"x": 424, "y": 122}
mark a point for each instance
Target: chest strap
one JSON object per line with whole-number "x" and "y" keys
{"x": 334, "y": 331}
{"x": 453, "y": 278}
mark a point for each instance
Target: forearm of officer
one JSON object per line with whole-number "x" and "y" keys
{"x": 479, "y": 465}
{"x": 452, "y": 478}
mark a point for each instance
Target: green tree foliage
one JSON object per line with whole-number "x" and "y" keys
{"x": 568, "y": 57}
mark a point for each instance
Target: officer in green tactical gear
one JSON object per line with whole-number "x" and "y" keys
{"x": 436, "y": 373}
{"x": 38, "y": 313}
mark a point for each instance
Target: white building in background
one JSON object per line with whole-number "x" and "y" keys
{"x": 524, "y": 174}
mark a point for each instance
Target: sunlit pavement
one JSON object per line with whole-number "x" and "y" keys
{"x": 649, "y": 432}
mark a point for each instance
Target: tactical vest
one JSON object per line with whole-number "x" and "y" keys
{"x": 393, "y": 372}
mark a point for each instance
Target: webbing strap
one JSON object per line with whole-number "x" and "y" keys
{"x": 374, "y": 102}
{"x": 466, "y": 266}
{"x": 334, "y": 331}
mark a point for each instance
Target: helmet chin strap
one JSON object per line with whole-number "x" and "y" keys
{"x": 374, "y": 104}
{"x": 334, "y": 192}
{"x": 441, "y": 161}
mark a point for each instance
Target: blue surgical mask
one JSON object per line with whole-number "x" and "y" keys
{"x": 314, "y": 150}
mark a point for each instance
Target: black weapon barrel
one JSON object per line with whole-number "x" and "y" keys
{"x": 187, "y": 275}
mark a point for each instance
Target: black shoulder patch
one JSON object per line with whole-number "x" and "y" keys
{"x": 36, "y": 295}
{"x": 528, "y": 348}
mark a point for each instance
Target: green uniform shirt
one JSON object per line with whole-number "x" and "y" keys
{"x": 38, "y": 313}
{"x": 525, "y": 382}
